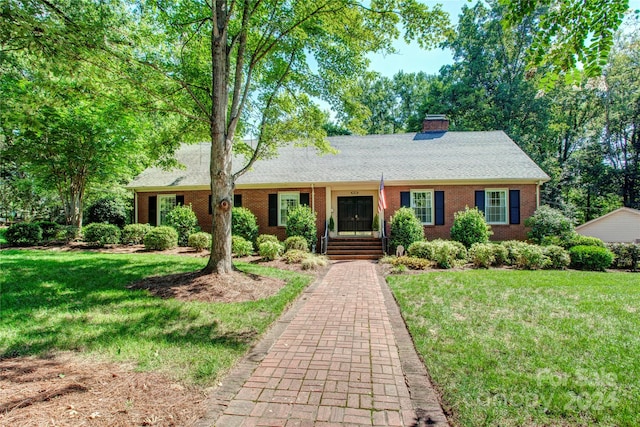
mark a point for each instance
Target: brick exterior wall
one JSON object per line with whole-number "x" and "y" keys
{"x": 456, "y": 198}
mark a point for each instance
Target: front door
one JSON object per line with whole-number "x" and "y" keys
{"x": 355, "y": 214}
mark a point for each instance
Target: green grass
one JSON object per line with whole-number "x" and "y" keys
{"x": 515, "y": 348}
{"x": 54, "y": 301}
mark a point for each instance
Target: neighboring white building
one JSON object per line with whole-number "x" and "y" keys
{"x": 621, "y": 225}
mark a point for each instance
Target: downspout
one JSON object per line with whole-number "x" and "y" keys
{"x": 313, "y": 198}
{"x": 538, "y": 194}
{"x": 135, "y": 207}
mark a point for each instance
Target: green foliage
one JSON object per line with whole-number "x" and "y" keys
{"x": 200, "y": 241}
{"x": 482, "y": 255}
{"x": 267, "y": 238}
{"x": 580, "y": 240}
{"x": 101, "y": 233}
{"x": 133, "y": 234}
{"x": 405, "y": 228}
{"x": 530, "y": 257}
{"x": 559, "y": 258}
{"x": 244, "y": 224}
{"x": 626, "y": 255}
{"x": 548, "y": 222}
{"x": 294, "y": 256}
{"x": 313, "y": 261}
{"x": 301, "y": 221}
{"x": 501, "y": 254}
{"x": 296, "y": 242}
{"x": 447, "y": 254}
{"x": 68, "y": 233}
{"x": 184, "y": 220}
{"x": 410, "y": 262}
{"x": 270, "y": 250}
{"x": 469, "y": 227}
{"x": 513, "y": 247}
{"x": 421, "y": 249}
{"x": 108, "y": 210}
{"x": 24, "y": 234}
{"x": 241, "y": 246}
{"x": 161, "y": 238}
{"x": 592, "y": 258}
{"x": 375, "y": 226}
{"x": 49, "y": 229}
{"x": 332, "y": 224}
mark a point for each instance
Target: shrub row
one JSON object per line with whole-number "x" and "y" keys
{"x": 33, "y": 233}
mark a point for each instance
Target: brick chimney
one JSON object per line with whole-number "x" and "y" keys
{"x": 435, "y": 123}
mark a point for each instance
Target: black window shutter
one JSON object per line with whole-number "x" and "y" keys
{"x": 237, "y": 200}
{"x": 480, "y": 200}
{"x": 210, "y": 208}
{"x": 273, "y": 210}
{"x": 405, "y": 199}
{"x": 304, "y": 199}
{"x": 514, "y": 206}
{"x": 179, "y": 200}
{"x": 439, "y": 202}
{"x": 153, "y": 210}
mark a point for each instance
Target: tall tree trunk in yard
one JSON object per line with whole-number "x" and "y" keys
{"x": 221, "y": 143}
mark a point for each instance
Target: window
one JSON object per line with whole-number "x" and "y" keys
{"x": 286, "y": 201}
{"x": 422, "y": 205}
{"x": 166, "y": 202}
{"x": 496, "y": 205}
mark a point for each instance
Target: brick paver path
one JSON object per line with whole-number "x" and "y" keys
{"x": 336, "y": 363}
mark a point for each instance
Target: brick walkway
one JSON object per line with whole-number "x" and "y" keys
{"x": 336, "y": 363}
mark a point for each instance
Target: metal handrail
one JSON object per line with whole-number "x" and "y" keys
{"x": 384, "y": 239}
{"x": 324, "y": 241}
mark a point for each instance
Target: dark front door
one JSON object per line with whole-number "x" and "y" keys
{"x": 355, "y": 213}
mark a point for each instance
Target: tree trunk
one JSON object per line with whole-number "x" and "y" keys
{"x": 221, "y": 154}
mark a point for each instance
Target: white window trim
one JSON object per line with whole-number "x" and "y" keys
{"x": 158, "y": 204}
{"x": 296, "y": 194}
{"x": 506, "y": 207}
{"x": 433, "y": 208}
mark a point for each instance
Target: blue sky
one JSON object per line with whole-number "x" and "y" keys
{"x": 412, "y": 59}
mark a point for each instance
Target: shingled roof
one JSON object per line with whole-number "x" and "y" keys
{"x": 430, "y": 157}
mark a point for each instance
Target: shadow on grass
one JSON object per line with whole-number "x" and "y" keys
{"x": 76, "y": 301}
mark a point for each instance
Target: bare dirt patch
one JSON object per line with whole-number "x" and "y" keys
{"x": 65, "y": 390}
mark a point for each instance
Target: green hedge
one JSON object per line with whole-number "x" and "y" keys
{"x": 593, "y": 258}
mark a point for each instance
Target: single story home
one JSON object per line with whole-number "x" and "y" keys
{"x": 435, "y": 172}
{"x": 619, "y": 226}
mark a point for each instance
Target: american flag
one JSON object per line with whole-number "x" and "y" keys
{"x": 382, "y": 201}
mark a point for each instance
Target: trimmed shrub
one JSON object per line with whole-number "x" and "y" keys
{"x": 100, "y": 234}
{"x": 446, "y": 253}
{"x": 580, "y": 240}
{"x": 67, "y": 233}
{"x": 24, "y": 234}
{"x": 311, "y": 262}
{"x": 266, "y": 238}
{"x": 295, "y": 242}
{"x": 482, "y": 255}
{"x": 501, "y": 254}
{"x": 161, "y": 238}
{"x": 184, "y": 220}
{"x": 405, "y": 228}
{"x": 133, "y": 234}
{"x": 200, "y": 241}
{"x": 244, "y": 224}
{"x": 421, "y": 249}
{"x": 270, "y": 250}
{"x": 559, "y": 258}
{"x": 295, "y": 256}
{"x": 241, "y": 246}
{"x": 513, "y": 248}
{"x": 626, "y": 255}
{"x": 301, "y": 221}
{"x": 49, "y": 229}
{"x": 531, "y": 257}
{"x": 411, "y": 262}
{"x": 592, "y": 258}
{"x": 469, "y": 227}
{"x": 108, "y": 210}
{"x": 547, "y": 222}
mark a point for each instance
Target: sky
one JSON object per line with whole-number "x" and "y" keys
{"x": 412, "y": 59}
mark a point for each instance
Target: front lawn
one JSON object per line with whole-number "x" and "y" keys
{"x": 514, "y": 348}
{"x": 78, "y": 301}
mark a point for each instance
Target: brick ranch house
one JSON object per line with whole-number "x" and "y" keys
{"x": 436, "y": 172}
